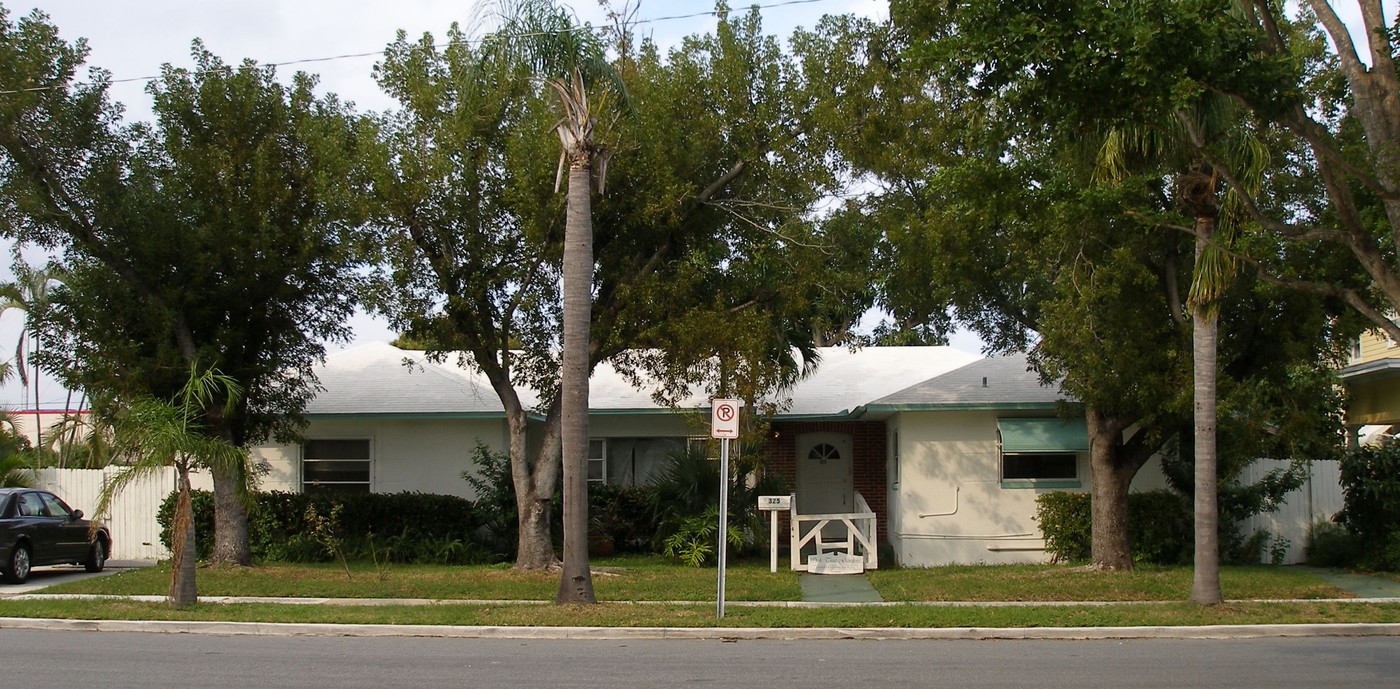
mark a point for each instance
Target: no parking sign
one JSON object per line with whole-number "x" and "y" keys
{"x": 724, "y": 418}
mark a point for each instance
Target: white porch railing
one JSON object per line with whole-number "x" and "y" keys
{"x": 859, "y": 540}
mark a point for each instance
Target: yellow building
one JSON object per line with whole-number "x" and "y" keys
{"x": 1372, "y": 379}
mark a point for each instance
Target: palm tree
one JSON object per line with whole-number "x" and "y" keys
{"x": 1197, "y": 143}
{"x": 29, "y": 294}
{"x": 152, "y": 434}
{"x": 15, "y": 472}
{"x": 570, "y": 60}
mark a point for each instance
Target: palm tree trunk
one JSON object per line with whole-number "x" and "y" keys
{"x": 183, "y": 553}
{"x": 1205, "y": 581}
{"x": 575, "y": 581}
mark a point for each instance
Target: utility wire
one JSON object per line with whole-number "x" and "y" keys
{"x": 350, "y": 56}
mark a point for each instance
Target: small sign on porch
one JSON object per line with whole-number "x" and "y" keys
{"x": 836, "y": 563}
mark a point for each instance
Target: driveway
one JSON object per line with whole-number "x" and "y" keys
{"x": 44, "y": 577}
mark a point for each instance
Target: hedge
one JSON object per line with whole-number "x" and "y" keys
{"x": 1159, "y": 526}
{"x": 320, "y": 527}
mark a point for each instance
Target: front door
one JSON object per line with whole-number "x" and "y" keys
{"x": 824, "y": 473}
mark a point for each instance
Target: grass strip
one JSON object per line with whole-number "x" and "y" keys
{"x": 1041, "y": 583}
{"x": 620, "y": 579}
{"x": 654, "y": 579}
{"x": 703, "y": 616}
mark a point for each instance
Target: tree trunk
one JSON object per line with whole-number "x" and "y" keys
{"x": 183, "y": 553}
{"x": 230, "y": 520}
{"x": 1110, "y": 476}
{"x": 534, "y": 492}
{"x": 575, "y": 581}
{"x": 1205, "y": 580}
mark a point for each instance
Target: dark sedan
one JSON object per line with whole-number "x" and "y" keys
{"x": 37, "y": 528}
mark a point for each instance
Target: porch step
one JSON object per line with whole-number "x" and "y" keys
{"x": 838, "y": 588}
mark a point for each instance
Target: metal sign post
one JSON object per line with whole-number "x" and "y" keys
{"x": 724, "y": 424}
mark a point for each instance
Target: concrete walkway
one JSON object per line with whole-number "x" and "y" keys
{"x": 838, "y": 588}
{"x": 1359, "y": 585}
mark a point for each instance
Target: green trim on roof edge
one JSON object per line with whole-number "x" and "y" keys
{"x": 413, "y": 416}
{"x": 1011, "y": 406}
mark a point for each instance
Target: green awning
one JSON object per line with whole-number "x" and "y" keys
{"x": 1043, "y": 435}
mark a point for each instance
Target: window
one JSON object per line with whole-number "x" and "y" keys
{"x": 28, "y": 505}
{"x": 341, "y": 466}
{"x": 55, "y": 506}
{"x": 1039, "y": 466}
{"x": 704, "y": 445}
{"x": 821, "y": 452}
{"x": 598, "y": 460}
{"x": 1041, "y": 452}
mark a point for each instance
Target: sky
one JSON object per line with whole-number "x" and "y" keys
{"x": 338, "y": 40}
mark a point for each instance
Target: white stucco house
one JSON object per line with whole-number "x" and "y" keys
{"x": 948, "y": 450}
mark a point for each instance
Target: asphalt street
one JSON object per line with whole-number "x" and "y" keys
{"x": 158, "y": 661}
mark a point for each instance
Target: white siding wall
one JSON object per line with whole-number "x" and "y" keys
{"x": 132, "y": 517}
{"x": 950, "y": 507}
{"x": 426, "y": 456}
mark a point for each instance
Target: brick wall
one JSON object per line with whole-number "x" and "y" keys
{"x": 868, "y": 462}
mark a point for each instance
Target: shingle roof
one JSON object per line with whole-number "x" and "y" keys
{"x": 377, "y": 378}
{"x": 993, "y": 382}
{"x": 847, "y": 379}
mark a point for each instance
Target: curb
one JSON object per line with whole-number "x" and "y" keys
{"x": 705, "y": 633}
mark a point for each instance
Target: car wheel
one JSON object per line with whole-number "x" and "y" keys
{"x": 97, "y": 556}
{"x": 17, "y": 571}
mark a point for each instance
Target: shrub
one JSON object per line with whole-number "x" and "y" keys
{"x": 692, "y": 539}
{"x": 1329, "y": 545}
{"x": 688, "y": 488}
{"x": 302, "y": 527}
{"x": 623, "y": 515}
{"x": 1159, "y": 526}
{"x": 1065, "y": 522}
{"x": 1371, "y": 498}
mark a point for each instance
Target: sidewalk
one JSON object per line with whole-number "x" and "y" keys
{"x": 1359, "y": 585}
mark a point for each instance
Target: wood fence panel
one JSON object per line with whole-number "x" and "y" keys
{"x": 1318, "y": 499}
{"x": 132, "y": 517}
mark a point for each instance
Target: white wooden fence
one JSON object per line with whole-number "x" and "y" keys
{"x": 132, "y": 517}
{"x": 1318, "y": 499}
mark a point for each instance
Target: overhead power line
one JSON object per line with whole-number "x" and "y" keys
{"x": 351, "y": 56}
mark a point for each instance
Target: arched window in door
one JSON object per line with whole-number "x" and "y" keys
{"x": 823, "y": 451}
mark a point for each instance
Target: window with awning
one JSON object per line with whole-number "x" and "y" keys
{"x": 1041, "y": 453}
{"x": 1043, "y": 435}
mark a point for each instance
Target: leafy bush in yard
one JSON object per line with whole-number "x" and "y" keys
{"x": 320, "y": 527}
{"x": 1159, "y": 526}
{"x": 622, "y": 516}
{"x": 1329, "y": 545}
{"x": 1371, "y": 498}
{"x": 495, "y": 502}
{"x": 688, "y": 489}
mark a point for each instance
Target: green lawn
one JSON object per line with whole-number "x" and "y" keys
{"x": 615, "y": 579}
{"x": 1066, "y": 583}
{"x": 643, "y": 591}
{"x": 703, "y": 615}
